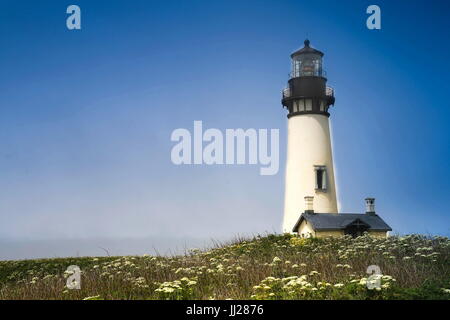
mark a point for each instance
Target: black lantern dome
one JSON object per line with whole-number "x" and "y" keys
{"x": 306, "y": 49}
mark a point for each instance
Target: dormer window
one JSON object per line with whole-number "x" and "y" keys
{"x": 321, "y": 177}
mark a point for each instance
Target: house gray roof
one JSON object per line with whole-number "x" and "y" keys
{"x": 328, "y": 221}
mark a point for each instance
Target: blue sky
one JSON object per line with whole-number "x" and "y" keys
{"x": 86, "y": 116}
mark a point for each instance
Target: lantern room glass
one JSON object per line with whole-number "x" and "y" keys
{"x": 308, "y": 64}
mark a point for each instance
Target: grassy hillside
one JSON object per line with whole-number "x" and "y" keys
{"x": 271, "y": 267}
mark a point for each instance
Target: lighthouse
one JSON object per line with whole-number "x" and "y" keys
{"x": 309, "y": 182}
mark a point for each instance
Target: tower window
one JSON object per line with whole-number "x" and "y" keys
{"x": 322, "y": 105}
{"x": 308, "y": 104}
{"x": 321, "y": 177}
{"x": 301, "y": 105}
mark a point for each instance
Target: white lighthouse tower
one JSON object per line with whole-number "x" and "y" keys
{"x": 309, "y": 167}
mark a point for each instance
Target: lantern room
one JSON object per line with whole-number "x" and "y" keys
{"x": 307, "y": 62}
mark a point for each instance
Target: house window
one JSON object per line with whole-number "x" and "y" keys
{"x": 321, "y": 177}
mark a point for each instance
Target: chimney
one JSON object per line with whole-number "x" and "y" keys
{"x": 309, "y": 208}
{"x": 370, "y": 206}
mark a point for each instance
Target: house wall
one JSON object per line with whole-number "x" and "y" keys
{"x": 378, "y": 234}
{"x": 305, "y": 230}
{"x": 331, "y": 233}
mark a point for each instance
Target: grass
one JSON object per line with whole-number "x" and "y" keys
{"x": 269, "y": 267}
